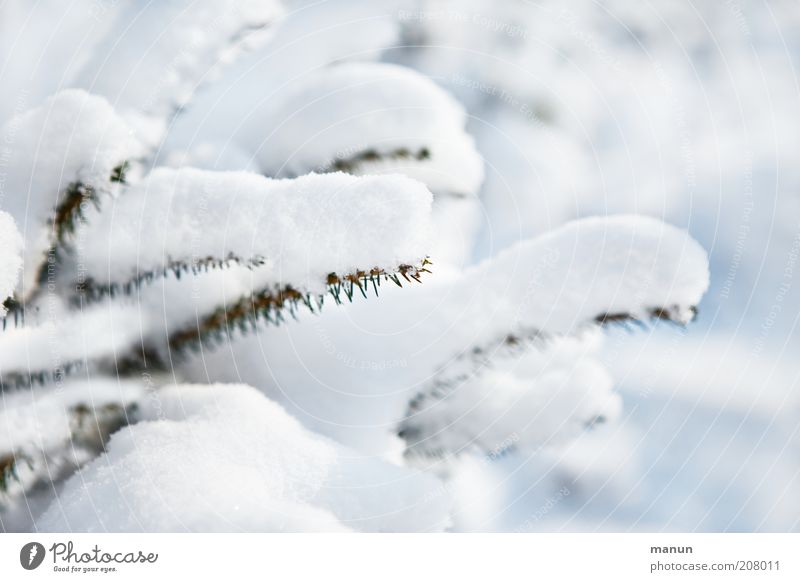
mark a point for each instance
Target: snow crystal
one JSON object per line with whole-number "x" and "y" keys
{"x": 224, "y": 458}
{"x": 301, "y": 229}
{"x": 371, "y": 118}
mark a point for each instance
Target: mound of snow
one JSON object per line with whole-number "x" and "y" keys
{"x": 224, "y": 458}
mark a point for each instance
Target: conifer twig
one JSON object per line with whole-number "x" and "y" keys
{"x": 270, "y": 304}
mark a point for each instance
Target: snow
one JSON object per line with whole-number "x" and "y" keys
{"x": 10, "y": 258}
{"x": 224, "y": 458}
{"x": 72, "y": 137}
{"x": 151, "y": 62}
{"x": 302, "y": 229}
{"x": 342, "y": 112}
{"x": 685, "y": 113}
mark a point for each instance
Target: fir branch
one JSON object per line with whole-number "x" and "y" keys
{"x": 13, "y": 309}
{"x": 672, "y": 314}
{"x": 250, "y": 29}
{"x": 352, "y": 164}
{"x": 90, "y": 290}
{"x": 92, "y": 427}
{"x": 271, "y": 304}
{"x": 71, "y": 211}
{"x": 120, "y": 172}
{"x": 8, "y": 470}
{"x": 465, "y": 366}
{"x": 472, "y": 363}
{"x": 90, "y": 430}
{"x": 15, "y": 380}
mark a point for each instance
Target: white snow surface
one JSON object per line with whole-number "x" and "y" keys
{"x": 303, "y": 229}
{"x": 10, "y": 258}
{"x": 338, "y": 112}
{"x": 261, "y": 471}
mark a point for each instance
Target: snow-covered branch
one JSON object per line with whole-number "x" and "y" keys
{"x": 296, "y": 232}
{"x": 271, "y": 303}
{"x": 49, "y": 349}
{"x": 512, "y": 397}
{"x": 300, "y": 239}
{"x": 156, "y": 55}
{"x": 591, "y": 270}
{"x": 45, "y": 435}
{"x": 529, "y": 386}
{"x": 370, "y": 118}
{"x": 285, "y": 242}
{"x": 64, "y": 155}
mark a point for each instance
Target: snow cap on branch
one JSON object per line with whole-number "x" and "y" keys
{"x": 261, "y": 471}
{"x": 523, "y": 399}
{"x": 62, "y": 154}
{"x": 298, "y": 231}
{"x": 601, "y": 269}
{"x": 368, "y": 118}
{"x": 72, "y": 137}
